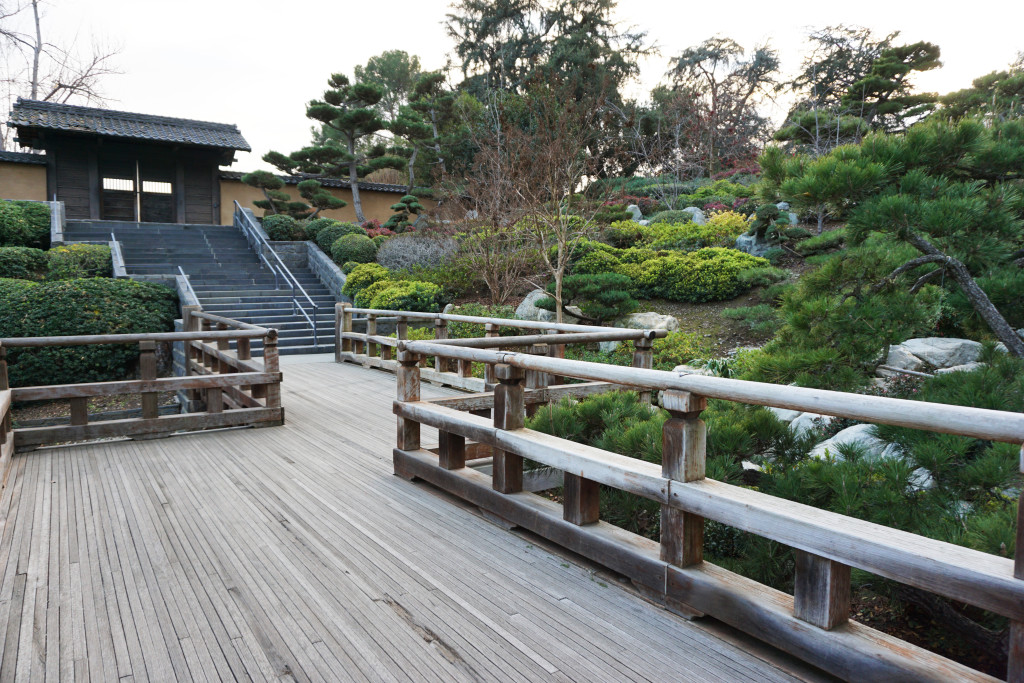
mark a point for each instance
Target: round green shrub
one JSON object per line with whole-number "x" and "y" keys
{"x": 362, "y": 276}
{"x": 24, "y": 263}
{"x": 282, "y": 228}
{"x": 314, "y": 226}
{"x": 349, "y": 266}
{"x": 75, "y": 307}
{"x": 326, "y": 238}
{"x": 678, "y": 216}
{"x": 596, "y": 262}
{"x": 78, "y": 260}
{"x": 623, "y": 234}
{"x": 37, "y": 220}
{"x": 358, "y": 248}
{"x": 379, "y": 240}
{"x": 14, "y": 231}
{"x": 409, "y": 296}
{"x": 363, "y": 298}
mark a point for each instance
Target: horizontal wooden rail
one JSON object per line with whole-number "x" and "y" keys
{"x": 479, "y": 320}
{"x": 88, "y": 340}
{"x": 568, "y": 338}
{"x": 138, "y": 386}
{"x": 227, "y": 321}
{"x": 979, "y": 423}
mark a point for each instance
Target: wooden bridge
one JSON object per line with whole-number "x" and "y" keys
{"x": 293, "y": 553}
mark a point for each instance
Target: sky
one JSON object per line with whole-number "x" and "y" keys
{"x": 257, "y": 63}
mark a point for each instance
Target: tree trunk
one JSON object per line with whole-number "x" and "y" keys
{"x": 976, "y": 295}
{"x": 353, "y": 179}
{"x": 559, "y": 317}
{"x": 412, "y": 172}
{"x": 437, "y": 145}
{"x": 37, "y": 49}
{"x": 821, "y": 221}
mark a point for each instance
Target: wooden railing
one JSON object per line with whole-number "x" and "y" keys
{"x": 813, "y": 623}
{"x": 369, "y": 349}
{"x": 237, "y": 390}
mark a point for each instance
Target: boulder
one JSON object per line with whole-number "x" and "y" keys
{"x": 805, "y": 422}
{"x": 942, "y": 352}
{"x": 692, "y": 370}
{"x": 783, "y": 206}
{"x": 860, "y": 435}
{"x": 899, "y": 357}
{"x": 793, "y": 218}
{"x": 528, "y": 310}
{"x": 1001, "y": 347}
{"x": 648, "y": 321}
{"x": 696, "y": 215}
{"x": 449, "y": 309}
{"x": 644, "y": 222}
{"x": 784, "y": 415}
{"x": 753, "y": 246}
{"x": 966, "y": 367}
{"x": 635, "y": 212}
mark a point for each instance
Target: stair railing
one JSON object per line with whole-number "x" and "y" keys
{"x": 262, "y": 248}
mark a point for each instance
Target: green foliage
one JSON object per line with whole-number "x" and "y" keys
{"x": 768, "y": 222}
{"x": 762, "y": 318}
{"x": 409, "y": 296}
{"x": 461, "y": 330}
{"x": 721, "y": 230}
{"x": 365, "y": 296}
{"x": 760, "y": 277}
{"x": 676, "y": 348}
{"x": 457, "y": 275}
{"x": 24, "y": 263}
{"x": 615, "y": 213}
{"x": 883, "y": 97}
{"x": 358, "y": 248}
{"x": 74, "y": 307}
{"x": 600, "y": 297}
{"x": 672, "y": 217}
{"x": 362, "y": 276}
{"x": 623, "y": 233}
{"x": 78, "y": 260}
{"x": 319, "y": 198}
{"x": 314, "y": 227}
{"x": 24, "y": 224}
{"x": 819, "y": 244}
{"x": 282, "y": 228}
{"x": 407, "y": 206}
{"x": 275, "y": 200}
{"x": 328, "y": 235}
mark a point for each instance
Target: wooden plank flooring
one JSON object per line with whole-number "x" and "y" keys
{"x": 293, "y": 553}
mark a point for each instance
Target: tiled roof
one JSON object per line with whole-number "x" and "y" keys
{"x": 122, "y": 124}
{"x": 23, "y": 158}
{"x": 326, "y": 182}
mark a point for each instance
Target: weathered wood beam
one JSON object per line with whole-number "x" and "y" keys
{"x": 509, "y": 414}
{"x": 138, "y": 386}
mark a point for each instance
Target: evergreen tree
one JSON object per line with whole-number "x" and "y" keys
{"x": 318, "y": 198}
{"x": 839, "y": 57}
{"x": 884, "y": 97}
{"x": 396, "y": 72}
{"x": 348, "y": 112}
{"x": 405, "y": 208}
{"x": 995, "y": 96}
{"x": 275, "y": 200}
{"x": 416, "y": 133}
{"x": 435, "y": 105}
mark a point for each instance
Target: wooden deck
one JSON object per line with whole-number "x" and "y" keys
{"x": 294, "y": 553}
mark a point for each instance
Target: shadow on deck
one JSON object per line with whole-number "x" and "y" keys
{"x": 294, "y": 553}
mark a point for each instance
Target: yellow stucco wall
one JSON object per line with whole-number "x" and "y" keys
{"x": 22, "y": 181}
{"x": 375, "y": 204}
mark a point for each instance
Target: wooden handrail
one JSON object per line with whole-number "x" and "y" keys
{"x": 87, "y": 340}
{"x": 228, "y": 321}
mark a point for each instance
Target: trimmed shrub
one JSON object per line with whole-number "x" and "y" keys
{"x": 358, "y": 248}
{"x": 327, "y": 236}
{"x": 13, "y": 225}
{"x": 83, "y": 306}
{"x": 77, "y": 261}
{"x": 710, "y": 274}
{"x": 349, "y": 266}
{"x": 314, "y": 226}
{"x": 458, "y": 330}
{"x": 403, "y": 252}
{"x": 671, "y": 217}
{"x": 409, "y": 296}
{"x": 721, "y": 230}
{"x": 282, "y": 228}
{"x": 379, "y": 240}
{"x": 362, "y": 276}
{"x": 364, "y": 296}
{"x": 819, "y": 244}
{"x": 600, "y": 296}
{"x": 37, "y": 221}
{"x": 24, "y": 263}
{"x": 623, "y": 234}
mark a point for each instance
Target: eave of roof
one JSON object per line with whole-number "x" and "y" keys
{"x": 22, "y": 158}
{"x": 30, "y": 115}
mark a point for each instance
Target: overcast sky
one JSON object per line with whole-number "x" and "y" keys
{"x": 257, "y": 63}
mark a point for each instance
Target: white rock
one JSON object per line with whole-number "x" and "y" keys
{"x": 966, "y": 367}
{"x": 1001, "y": 347}
{"x": 879, "y": 381}
{"x": 783, "y": 206}
{"x": 921, "y": 479}
{"x": 691, "y": 370}
{"x": 861, "y": 435}
{"x": 635, "y": 212}
{"x": 943, "y": 352}
{"x": 793, "y": 218}
{"x": 450, "y": 308}
{"x": 696, "y": 215}
{"x": 805, "y": 422}
{"x": 747, "y": 465}
{"x": 899, "y": 357}
{"x": 648, "y": 321}
{"x": 753, "y": 246}
{"x": 644, "y": 222}
{"x": 608, "y": 346}
{"x": 785, "y": 415}
{"x": 528, "y": 309}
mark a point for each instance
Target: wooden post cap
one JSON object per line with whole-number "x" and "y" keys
{"x": 504, "y": 372}
{"x": 683, "y": 402}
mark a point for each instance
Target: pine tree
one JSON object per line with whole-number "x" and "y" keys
{"x": 416, "y": 133}
{"x": 275, "y": 201}
{"x": 884, "y": 97}
{"x": 349, "y": 116}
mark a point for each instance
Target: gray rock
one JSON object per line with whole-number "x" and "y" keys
{"x": 696, "y": 215}
{"x": 635, "y": 212}
{"x": 608, "y": 346}
{"x": 785, "y": 415}
{"x": 899, "y": 357}
{"x": 805, "y": 422}
{"x": 421, "y": 221}
{"x": 862, "y": 435}
{"x": 1001, "y": 347}
{"x": 753, "y": 246}
{"x": 783, "y": 206}
{"x": 793, "y": 218}
{"x": 644, "y": 222}
{"x": 449, "y": 309}
{"x": 528, "y": 310}
{"x": 942, "y": 352}
{"x": 472, "y": 215}
{"x": 966, "y": 367}
{"x": 648, "y": 321}
{"x": 691, "y": 370}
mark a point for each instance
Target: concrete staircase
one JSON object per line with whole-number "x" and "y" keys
{"x": 225, "y": 273}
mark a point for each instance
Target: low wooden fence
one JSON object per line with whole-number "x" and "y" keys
{"x": 237, "y": 390}
{"x": 371, "y": 350}
{"x": 813, "y": 623}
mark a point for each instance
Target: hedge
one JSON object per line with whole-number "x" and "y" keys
{"x": 282, "y": 228}
{"x": 326, "y": 237}
{"x": 362, "y": 276}
{"x": 409, "y": 296}
{"x": 78, "y": 260}
{"x": 358, "y": 248}
{"x": 24, "y": 224}
{"x": 24, "y": 263}
{"x": 314, "y": 226}
{"x": 84, "y": 306}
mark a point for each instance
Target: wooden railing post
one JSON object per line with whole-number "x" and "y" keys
{"x": 1015, "y": 660}
{"x": 684, "y": 442}
{"x": 821, "y": 590}
{"x": 536, "y": 379}
{"x": 342, "y": 323}
{"x": 643, "y": 357}
{"x": 402, "y": 327}
{"x": 408, "y": 390}
{"x": 490, "y": 330}
{"x": 223, "y": 344}
{"x": 509, "y": 413}
{"x": 440, "y": 332}
{"x": 244, "y": 348}
{"x": 581, "y": 499}
{"x": 371, "y": 331}
{"x": 271, "y": 364}
{"x": 5, "y": 420}
{"x": 147, "y": 370}
{"x": 556, "y": 351}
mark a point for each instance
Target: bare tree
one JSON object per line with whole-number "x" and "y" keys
{"x": 43, "y": 70}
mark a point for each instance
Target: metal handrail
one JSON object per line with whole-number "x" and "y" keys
{"x": 253, "y": 235}
{"x": 188, "y": 284}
